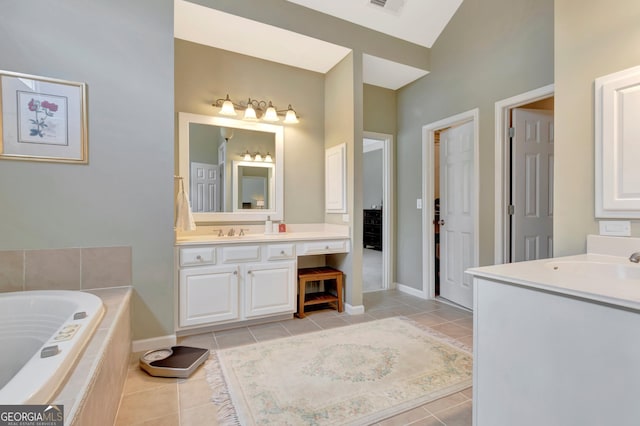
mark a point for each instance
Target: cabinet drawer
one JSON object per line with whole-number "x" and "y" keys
{"x": 281, "y": 251}
{"x": 329, "y": 246}
{"x": 233, "y": 254}
{"x": 197, "y": 256}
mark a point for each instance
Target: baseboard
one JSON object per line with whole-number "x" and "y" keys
{"x": 354, "y": 310}
{"x": 410, "y": 290}
{"x": 153, "y": 343}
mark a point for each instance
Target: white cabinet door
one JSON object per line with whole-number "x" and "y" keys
{"x": 617, "y": 151}
{"x": 208, "y": 295}
{"x": 270, "y": 288}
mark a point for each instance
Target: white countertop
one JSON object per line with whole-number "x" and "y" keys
{"x": 594, "y": 276}
{"x": 255, "y": 234}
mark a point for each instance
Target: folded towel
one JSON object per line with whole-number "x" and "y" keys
{"x": 184, "y": 216}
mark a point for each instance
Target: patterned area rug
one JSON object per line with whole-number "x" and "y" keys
{"x": 354, "y": 375}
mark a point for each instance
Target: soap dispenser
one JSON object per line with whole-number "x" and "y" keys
{"x": 268, "y": 226}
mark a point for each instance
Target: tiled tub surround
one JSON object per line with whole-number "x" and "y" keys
{"x": 91, "y": 394}
{"x": 92, "y": 390}
{"x": 65, "y": 269}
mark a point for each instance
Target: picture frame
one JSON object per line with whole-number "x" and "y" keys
{"x": 42, "y": 119}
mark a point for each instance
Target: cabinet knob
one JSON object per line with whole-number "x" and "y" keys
{"x": 326, "y": 247}
{"x": 235, "y": 272}
{"x": 282, "y": 252}
{"x": 198, "y": 257}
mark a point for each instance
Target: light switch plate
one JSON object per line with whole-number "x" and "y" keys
{"x": 617, "y": 228}
{"x": 419, "y": 203}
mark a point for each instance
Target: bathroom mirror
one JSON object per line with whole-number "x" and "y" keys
{"x": 217, "y": 159}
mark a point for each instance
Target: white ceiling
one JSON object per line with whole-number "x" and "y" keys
{"x": 417, "y": 21}
{"x": 427, "y": 18}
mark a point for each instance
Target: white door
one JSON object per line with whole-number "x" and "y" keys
{"x": 532, "y": 185}
{"x": 457, "y": 199}
{"x": 204, "y": 187}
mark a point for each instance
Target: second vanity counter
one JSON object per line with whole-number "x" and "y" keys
{"x": 603, "y": 274}
{"x": 555, "y": 341}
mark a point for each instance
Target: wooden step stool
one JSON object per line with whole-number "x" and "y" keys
{"x": 320, "y": 273}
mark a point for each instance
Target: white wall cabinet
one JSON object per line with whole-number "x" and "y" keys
{"x": 335, "y": 176}
{"x": 617, "y": 153}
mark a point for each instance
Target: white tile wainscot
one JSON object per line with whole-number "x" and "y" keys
{"x": 556, "y": 341}
{"x": 251, "y": 278}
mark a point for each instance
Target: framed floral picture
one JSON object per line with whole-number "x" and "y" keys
{"x": 42, "y": 119}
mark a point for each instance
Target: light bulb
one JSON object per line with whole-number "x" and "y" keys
{"x": 250, "y": 113}
{"x": 227, "y": 107}
{"x": 270, "y": 114}
{"x": 291, "y": 116}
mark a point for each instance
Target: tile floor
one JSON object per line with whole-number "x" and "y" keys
{"x": 156, "y": 401}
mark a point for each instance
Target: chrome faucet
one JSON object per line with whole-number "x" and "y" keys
{"x": 231, "y": 233}
{"x": 635, "y": 257}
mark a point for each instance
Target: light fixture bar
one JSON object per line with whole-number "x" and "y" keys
{"x": 256, "y": 110}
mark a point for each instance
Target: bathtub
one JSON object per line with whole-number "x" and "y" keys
{"x": 42, "y": 333}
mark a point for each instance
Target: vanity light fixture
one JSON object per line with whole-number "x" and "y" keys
{"x": 256, "y": 110}
{"x": 246, "y": 156}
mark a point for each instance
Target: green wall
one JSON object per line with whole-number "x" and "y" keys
{"x": 602, "y": 38}
{"x": 123, "y": 51}
{"x": 204, "y": 74}
{"x": 489, "y": 51}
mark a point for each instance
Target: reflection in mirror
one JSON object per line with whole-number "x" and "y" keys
{"x": 254, "y": 183}
{"x": 211, "y": 187}
{"x": 234, "y": 168}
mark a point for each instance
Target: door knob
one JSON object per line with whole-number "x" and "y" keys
{"x": 441, "y": 222}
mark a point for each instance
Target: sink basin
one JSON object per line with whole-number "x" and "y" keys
{"x": 596, "y": 269}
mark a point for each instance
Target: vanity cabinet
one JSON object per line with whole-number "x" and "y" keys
{"x": 234, "y": 282}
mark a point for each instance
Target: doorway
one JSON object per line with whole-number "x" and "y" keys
{"x": 377, "y": 169}
{"x": 524, "y": 176}
{"x": 458, "y": 206}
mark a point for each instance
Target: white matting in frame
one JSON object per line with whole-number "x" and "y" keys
{"x": 43, "y": 119}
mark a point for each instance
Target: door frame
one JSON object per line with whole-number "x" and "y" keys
{"x": 502, "y": 158}
{"x": 388, "y": 201}
{"x": 428, "y": 142}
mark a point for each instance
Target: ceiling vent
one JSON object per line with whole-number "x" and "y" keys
{"x": 393, "y": 6}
